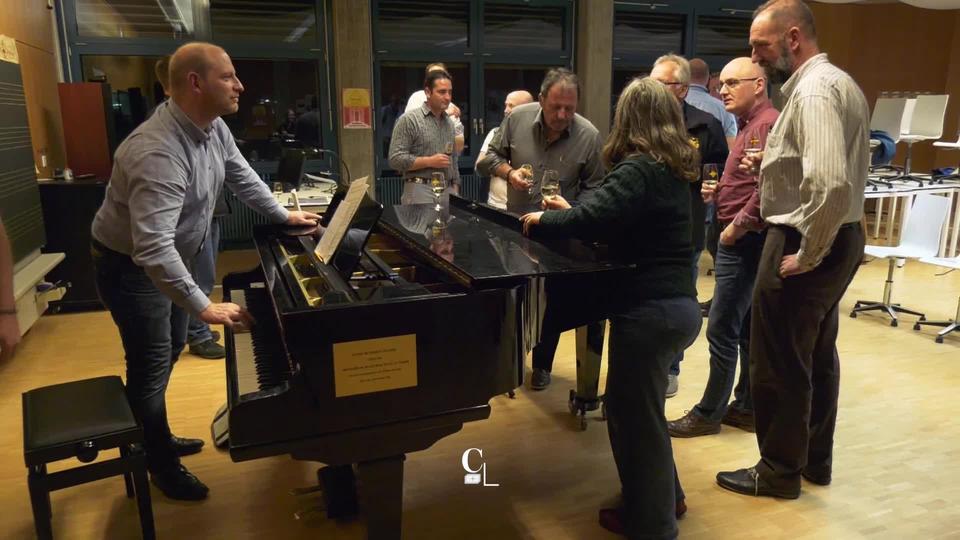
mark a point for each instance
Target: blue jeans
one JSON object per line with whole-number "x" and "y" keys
{"x": 643, "y": 341}
{"x": 153, "y": 331}
{"x": 675, "y": 364}
{"x": 205, "y": 274}
{"x": 728, "y": 326}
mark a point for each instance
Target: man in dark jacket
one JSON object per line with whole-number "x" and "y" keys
{"x": 706, "y": 134}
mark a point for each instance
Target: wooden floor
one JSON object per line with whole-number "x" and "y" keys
{"x": 897, "y": 465}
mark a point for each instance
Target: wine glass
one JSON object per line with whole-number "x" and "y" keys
{"x": 437, "y": 184}
{"x": 448, "y": 148}
{"x": 527, "y": 170}
{"x": 550, "y": 186}
{"x": 711, "y": 174}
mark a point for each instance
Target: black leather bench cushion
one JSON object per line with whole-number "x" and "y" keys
{"x": 74, "y": 412}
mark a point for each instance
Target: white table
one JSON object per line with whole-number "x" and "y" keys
{"x": 950, "y": 237}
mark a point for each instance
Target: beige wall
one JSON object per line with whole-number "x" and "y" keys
{"x": 31, "y": 24}
{"x": 901, "y": 48}
{"x": 354, "y": 69}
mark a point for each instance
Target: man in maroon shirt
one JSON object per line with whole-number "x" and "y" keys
{"x": 744, "y": 93}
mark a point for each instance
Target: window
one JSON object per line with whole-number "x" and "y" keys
{"x": 278, "y": 22}
{"x": 135, "y": 19}
{"x": 726, "y": 37}
{"x": 641, "y": 36}
{"x": 500, "y": 80}
{"x": 417, "y": 25}
{"x": 513, "y": 27}
{"x": 134, "y": 87}
{"x": 278, "y": 107}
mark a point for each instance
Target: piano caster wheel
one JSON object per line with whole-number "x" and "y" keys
{"x": 512, "y": 395}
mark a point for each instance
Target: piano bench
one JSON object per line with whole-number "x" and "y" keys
{"x": 79, "y": 419}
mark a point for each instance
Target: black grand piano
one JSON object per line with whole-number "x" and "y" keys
{"x": 421, "y": 317}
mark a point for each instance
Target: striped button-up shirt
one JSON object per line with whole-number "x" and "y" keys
{"x": 816, "y": 157}
{"x": 162, "y": 193}
{"x": 420, "y": 133}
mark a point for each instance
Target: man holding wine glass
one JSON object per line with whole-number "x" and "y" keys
{"x": 737, "y": 198}
{"x": 422, "y": 145}
{"x": 547, "y": 137}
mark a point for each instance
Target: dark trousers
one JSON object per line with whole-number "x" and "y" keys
{"x": 794, "y": 366}
{"x": 728, "y": 326}
{"x": 153, "y": 331}
{"x": 205, "y": 274}
{"x": 643, "y": 342}
{"x": 695, "y": 271}
{"x": 544, "y": 351}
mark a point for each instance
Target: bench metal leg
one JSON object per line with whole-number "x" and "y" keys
{"x": 40, "y": 502}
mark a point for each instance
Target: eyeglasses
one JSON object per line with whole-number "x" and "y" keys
{"x": 733, "y": 83}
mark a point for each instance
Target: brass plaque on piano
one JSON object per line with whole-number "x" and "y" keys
{"x": 374, "y": 365}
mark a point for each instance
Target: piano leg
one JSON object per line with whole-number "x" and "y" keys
{"x": 589, "y": 353}
{"x": 381, "y": 496}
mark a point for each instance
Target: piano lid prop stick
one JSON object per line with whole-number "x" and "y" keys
{"x": 296, "y": 200}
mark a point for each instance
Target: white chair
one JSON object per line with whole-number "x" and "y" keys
{"x": 887, "y": 117}
{"x": 952, "y": 325}
{"x": 920, "y": 238}
{"x": 953, "y": 146}
{"x": 926, "y": 123}
{"x": 888, "y": 114}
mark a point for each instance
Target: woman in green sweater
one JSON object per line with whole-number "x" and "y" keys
{"x": 643, "y": 212}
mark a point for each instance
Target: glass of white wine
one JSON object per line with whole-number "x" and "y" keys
{"x": 711, "y": 175}
{"x": 550, "y": 186}
{"x": 527, "y": 170}
{"x": 438, "y": 183}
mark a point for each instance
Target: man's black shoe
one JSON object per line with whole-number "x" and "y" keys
{"x": 749, "y": 482}
{"x": 208, "y": 349}
{"x": 815, "y": 476}
{"x": 177, "y": 483}
{"x": 185, "y": 447}
{"x": 540, "y": 379}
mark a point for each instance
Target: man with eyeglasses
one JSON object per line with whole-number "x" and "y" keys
{"x": 737, "y": 197}
{"x": 706, "y": 134}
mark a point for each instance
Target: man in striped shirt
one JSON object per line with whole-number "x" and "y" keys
{"x": 811, "y": 195}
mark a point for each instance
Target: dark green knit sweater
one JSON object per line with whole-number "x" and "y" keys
{"x": 642, "y": 211}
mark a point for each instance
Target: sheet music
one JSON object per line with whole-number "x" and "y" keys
{"x": 340, "y": 221}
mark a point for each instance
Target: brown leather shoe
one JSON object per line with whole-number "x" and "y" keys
{"x": 739, "y": 418}
{"x": 692, "y": 425}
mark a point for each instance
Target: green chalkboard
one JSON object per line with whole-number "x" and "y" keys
{"x": 19, "y": 196}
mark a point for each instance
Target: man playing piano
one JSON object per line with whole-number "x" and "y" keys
{"x": 153, "y": 221}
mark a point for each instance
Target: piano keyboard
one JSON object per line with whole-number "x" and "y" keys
{"x": 262, "y": 361}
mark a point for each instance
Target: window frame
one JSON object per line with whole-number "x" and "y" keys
{"x": 76, "y": 46}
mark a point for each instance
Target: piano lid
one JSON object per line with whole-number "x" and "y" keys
{"x": 487, "y": 245}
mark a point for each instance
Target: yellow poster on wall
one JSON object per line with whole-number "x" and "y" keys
{"x": 374, "y": 365}
{"x": 8, "y": 49}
